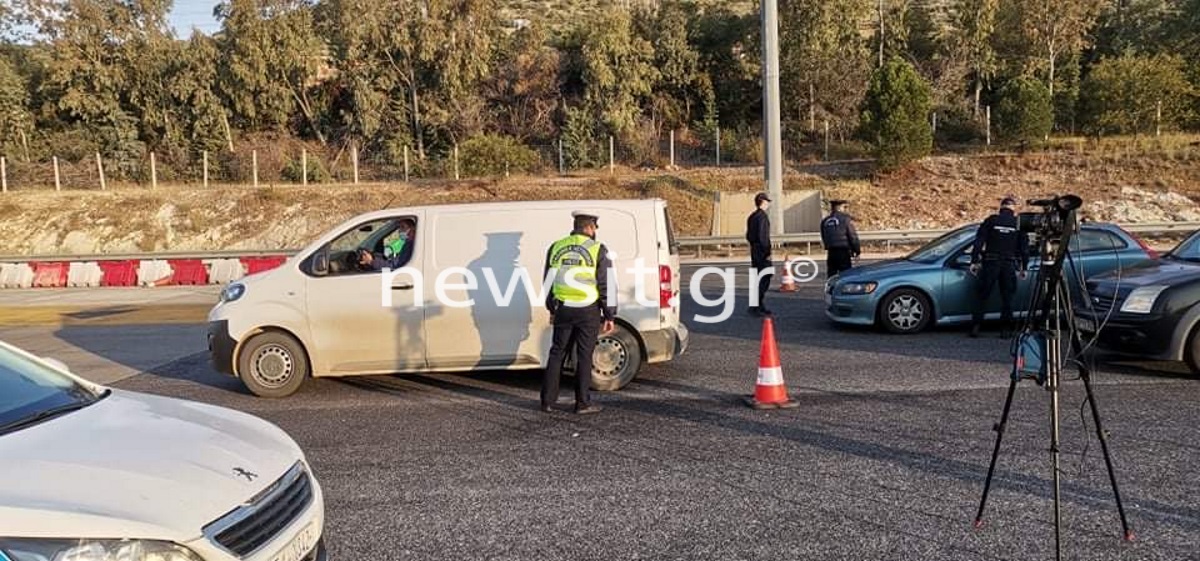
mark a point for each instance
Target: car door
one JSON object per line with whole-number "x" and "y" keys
{"x": 369, "y": 321}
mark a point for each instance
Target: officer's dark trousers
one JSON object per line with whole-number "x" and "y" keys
{"x": 760, "y": 262}
{"x": 837, "y": 260}
{"x": 575, "y": 328}
{"x": 1004, "y": 273}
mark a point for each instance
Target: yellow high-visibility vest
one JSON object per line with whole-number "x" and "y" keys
{"x": 576, "y": 255}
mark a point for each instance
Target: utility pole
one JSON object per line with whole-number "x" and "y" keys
{"x": 774, "y": 152}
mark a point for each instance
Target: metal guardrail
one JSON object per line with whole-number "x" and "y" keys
{"x": 888, "y": 237}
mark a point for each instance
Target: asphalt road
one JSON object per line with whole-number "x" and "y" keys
{"x": 884, "y": 458}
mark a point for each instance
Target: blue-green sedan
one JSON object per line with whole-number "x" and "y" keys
{"x": 934, "y": 286}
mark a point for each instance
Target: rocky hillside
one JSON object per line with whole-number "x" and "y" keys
{"x": 939, "y": 192}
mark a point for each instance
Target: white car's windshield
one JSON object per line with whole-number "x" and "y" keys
{"x": 939, "y": 248}
{"x": 30, "y": 392}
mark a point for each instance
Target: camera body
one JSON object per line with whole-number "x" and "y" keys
{"x": 1056, "y": 217}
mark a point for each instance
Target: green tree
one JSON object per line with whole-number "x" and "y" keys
{"x": 611, "y": 68}
{"x": 1057, "y": 29}
{"x": 15, "y": 119}
{"x": 824, "y": 60}
{"x": 681, "y": 87}
{"x": 1024, "y": 113}
{"x": 1122, "y": 95}
{"x": 523, "y": 91}
{"x": 728, "y": 45}
{"x": 270, "y": 55}
{"x": 895, "y": 114}
{"x": 974, "y": 23}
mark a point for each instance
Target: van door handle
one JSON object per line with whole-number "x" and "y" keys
{"x": 402, "y": 287}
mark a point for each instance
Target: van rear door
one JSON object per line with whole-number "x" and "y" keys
{"x": 669, "y": 273}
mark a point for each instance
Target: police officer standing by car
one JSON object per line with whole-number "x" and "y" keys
{"x": 1003, "y": 249}
{"x": 578, "y": 304}
{"x": 758, "y": 233}
{"x": 840, "y": 239}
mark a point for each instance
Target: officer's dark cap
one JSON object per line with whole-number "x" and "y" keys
{"x": 838, "y": 202}
{"x": 761, "y": 197}
{"x": 1008, "y": 201}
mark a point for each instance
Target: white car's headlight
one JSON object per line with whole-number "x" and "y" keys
{"x": 859, "y": 287}
{"x": 1141, "y": 300}
{"x": 93, "y": 550}
{"x": 233, "y": 292}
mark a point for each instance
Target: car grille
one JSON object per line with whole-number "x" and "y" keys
{"x": 246, "y": 529}
{"x": 1102, "y": 303}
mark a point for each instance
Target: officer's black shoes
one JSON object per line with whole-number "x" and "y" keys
{"x": 974, "y": 332}
{"x": 586, "y": 409}
{"x": 547, "y": 409}
{"x": 759, "y": 311}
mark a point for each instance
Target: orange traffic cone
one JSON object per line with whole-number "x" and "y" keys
{"x": 788, "y": 283}
{"x": 769, "y": 391}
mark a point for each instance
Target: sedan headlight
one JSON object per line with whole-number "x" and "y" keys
{"x": 1141, "y": 300}
{"x": 233, "y": 292}
{"x": 93, "y": 550}
{"x": 859, "y": 287}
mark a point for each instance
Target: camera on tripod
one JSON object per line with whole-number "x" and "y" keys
{"x": 1056, "y": 216}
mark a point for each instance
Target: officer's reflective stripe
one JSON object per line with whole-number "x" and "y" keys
{"x": 770, "y": 376}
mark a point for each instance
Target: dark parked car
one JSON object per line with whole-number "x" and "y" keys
{"x": 1151, "y": 311}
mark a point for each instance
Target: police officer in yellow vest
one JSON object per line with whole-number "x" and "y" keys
{"x": 579, "y": 306}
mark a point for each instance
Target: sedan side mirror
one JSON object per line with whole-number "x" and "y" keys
{"x": 962, "y": 261}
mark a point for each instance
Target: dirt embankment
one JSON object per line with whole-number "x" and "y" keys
{"x": 939, "y": 192}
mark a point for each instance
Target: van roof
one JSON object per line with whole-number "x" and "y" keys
{"x": 566, "y": 204}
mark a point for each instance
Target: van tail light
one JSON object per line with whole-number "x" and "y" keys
{"x": 1149, "y": 251}
{"x": 665, "y": 291}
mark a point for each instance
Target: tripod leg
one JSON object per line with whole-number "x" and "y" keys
{"x": 1053, "y": 380}
{"x": 999, "y": 428}
{"x": 1085, "y": 374}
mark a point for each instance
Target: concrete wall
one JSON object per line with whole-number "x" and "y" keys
{"x": 802, "y": 212}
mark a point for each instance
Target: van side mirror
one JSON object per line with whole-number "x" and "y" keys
{"x": 320, "y": 262}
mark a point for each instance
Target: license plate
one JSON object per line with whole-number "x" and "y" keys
{"x": 1085, "y": 324}
{"x": 300, "y": 546}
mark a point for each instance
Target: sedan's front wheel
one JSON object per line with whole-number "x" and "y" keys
{"x": 905, "y": 311}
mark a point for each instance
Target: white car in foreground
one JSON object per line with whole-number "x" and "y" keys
{"x": 89, "y": 473}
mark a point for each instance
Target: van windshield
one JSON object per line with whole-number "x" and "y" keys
{"x": 30, "y": 392}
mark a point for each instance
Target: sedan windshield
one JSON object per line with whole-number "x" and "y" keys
{"x": 939, "y": 248}
{"x": 1187, "y": 250}
{"x": 30, "y": 392}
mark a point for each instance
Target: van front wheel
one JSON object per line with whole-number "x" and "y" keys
{"x": 272, "y": 364}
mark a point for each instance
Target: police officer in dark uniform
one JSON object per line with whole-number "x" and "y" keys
{"x": 1003, "y": 249}
{"x": 579, "y": 308}
{"x": 758, "y": 233}
{"x": 840, "y": 239}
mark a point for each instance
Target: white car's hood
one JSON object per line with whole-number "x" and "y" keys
{"x": 135, "y": 466}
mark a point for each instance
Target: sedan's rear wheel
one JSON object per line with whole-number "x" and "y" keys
{"x": 905, "y": 311}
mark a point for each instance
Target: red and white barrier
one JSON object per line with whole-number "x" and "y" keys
{"x": 84, "y": 273}
{"x": 100, "y": 272}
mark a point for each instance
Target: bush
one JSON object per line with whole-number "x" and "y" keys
{"x": 1025, "y": 112}
{"x": 1121, "y": 95}
{"x": 642, "y": 147}
{"x": 293, "y": 170}
{"x": 579, "y": 139}
{"x": 956, "y": 125}
{"x": 895, "y": 115}
{"x": 492, "y": 155}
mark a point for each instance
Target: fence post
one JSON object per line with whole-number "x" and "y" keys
{"x": 826, "y": 139}
{"x": 406, "y": 163}
{"x": 611, "y": 158}
{"x": 206, "y": 169}
{"x": 254, "y": 165}
{"x": 304, "y": 166}
{"x": 561, "y": 167}
{"x": 100, "y": 168}
{"x": 57, "y": 183}
{"x": 935, "y": 123}
{"x": 456, "y": 161}
{"x": 153, "y": 172}
{"x": 1158, "y": 119}
{"x": 718, "y": 146}
{"x": 3, "y": 175}
{"x": 989, "y": 125}
{"x": 672, "y": 149}
{"x": 354, "y": 160}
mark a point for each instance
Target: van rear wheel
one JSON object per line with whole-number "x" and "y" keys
{"x": 615, "y": 362}
{"x": 272, "y": 364}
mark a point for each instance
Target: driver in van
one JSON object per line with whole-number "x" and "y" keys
{"x": 395, "y": 254}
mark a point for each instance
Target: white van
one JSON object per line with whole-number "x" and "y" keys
{"x": 323, "y": 314}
